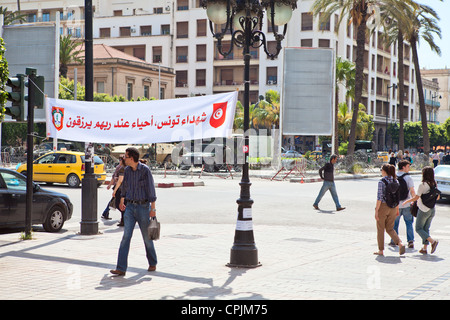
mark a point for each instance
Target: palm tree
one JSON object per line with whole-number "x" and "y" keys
{"x": 410, "y": 21}
{"x": 421, "y": 22}
{"x": 11, "y": 17}
{"x": 345, "y": 74}
{"x": 69, "y": 51}
{"x": 359, "y": 13}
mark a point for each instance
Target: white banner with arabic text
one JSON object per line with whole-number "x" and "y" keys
{"x": 142, "y": 122}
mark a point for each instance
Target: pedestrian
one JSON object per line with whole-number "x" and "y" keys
{"x": 426, "y": 208}
{"x": 112, "y": 182}
{"x": 138, "y": 200}
{"x": 327, "y": 174}
{"x": 408, "y": 157}
{"x": 385, "y": 213}
{"x": 436, "y": 159}
{"x": 118, "y": 189}
{"x": 406, "y": 192}
{"x": 393, "y": 159}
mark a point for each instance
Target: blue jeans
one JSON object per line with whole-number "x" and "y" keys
{"x": 140, "y": 214}
{"x": 328, "y": 185}
{"x": 408, "y": 218}
{"x": 423, "y": 224}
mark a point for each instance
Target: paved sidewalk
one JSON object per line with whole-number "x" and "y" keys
{"x": 297, "y": 263}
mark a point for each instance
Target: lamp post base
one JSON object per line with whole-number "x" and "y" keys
{"x": 244, "y": 256}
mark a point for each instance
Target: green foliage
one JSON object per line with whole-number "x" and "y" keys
{"x": 4, "y": 73}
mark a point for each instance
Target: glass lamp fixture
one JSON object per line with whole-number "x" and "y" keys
{"x": 217, "y": 11}
{"x": 282, "y": 10}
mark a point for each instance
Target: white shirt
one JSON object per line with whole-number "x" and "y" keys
{"x": 423, "y": 188}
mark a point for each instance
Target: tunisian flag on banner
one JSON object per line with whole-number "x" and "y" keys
{"x": 142, "y": 122}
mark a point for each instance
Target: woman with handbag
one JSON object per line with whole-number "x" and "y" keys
{"x": 426, "y": 197}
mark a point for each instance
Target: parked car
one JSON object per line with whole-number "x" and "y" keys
{"x": 209, "y": 160}
{"x": 442, "y": 177}
{"x": 63, "y": 167}
{"x": 51, "y": 209}
{"x": 291, "y": 154}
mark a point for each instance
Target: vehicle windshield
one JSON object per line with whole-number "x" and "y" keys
{"x": 442, "y": 171}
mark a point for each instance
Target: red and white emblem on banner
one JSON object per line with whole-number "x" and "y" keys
{"x": 245, "y": 149}
{"x": 58, "y": 117}
{"x": 219, "y": 114}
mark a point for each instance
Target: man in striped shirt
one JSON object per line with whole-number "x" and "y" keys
{"x": 138, "y": 202}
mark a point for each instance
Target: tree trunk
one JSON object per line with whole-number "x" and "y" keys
{"x": 359, "y": 80}
{"x": 401, "y": 91}
{"x": 423, "y": 112}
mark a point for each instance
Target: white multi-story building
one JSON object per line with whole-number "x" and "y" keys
{"x": 176, "y": 34}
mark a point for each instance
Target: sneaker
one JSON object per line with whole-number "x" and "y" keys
{"x": 411, "y": 244}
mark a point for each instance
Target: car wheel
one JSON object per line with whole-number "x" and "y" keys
{"x": 73, "y": 181}
{"x": 55, "y": 219}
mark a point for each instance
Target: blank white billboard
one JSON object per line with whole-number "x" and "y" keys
{"x": 35, "y": 46}
{"x": 308, "y": 91}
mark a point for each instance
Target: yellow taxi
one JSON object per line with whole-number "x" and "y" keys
{"x": 316, "y": 154}
{"x": 383, "y": 155}
{"x": 63, "y": 167}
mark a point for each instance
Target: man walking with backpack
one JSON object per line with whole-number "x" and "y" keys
{"x": 406, "y": 192}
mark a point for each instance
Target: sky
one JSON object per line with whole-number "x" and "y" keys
{"x": 427, "y": 58}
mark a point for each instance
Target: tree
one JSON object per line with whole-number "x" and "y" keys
{"x": 345, "y": 74}
{"x": 69, "y": 51}
{"x": 358, "y": 12}
{"x": 11, "y": 17}
{"x": 418, "y": 21}
{"x": 4, "y": 73}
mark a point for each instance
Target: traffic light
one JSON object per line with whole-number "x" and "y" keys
{"x": 16, "y": 96}
{"x": 39, "y": 93}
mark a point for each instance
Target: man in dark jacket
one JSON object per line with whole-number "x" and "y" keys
{"x": 327, "y": 174}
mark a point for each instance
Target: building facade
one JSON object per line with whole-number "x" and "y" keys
{"x": 176, "y": 34}
{"x": 441, "y": 96}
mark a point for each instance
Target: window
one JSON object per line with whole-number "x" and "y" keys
{"x": 146, "y": 30}
{"x": 158, "y": 10}
{"x": 47, "y": 159}
{"x": 147, "y": 92}
{"x": 324, "y": 43}
{"x": 165, "y": 29}
{"x": 324, "y": 26}
{"x": 182, "y": 54}
{"x": 272, "y": 75}
{"x": 13, "y": 182}
{"x": 182, "y": 5}
{"x": 105, "y": 32}
{"x": 162, "y": 93}
{"x": 201, "y": 52}
{"x": 307, "y": 21}
{"x": 129, "y": 91}
{"x": 182, "y": 30}
{"x": 201, "y": 28}
{"x": 100, "y": 87}
{"x": 157, "y": 54}
{"x": 117, "y": 13}
{"x": 125, "y": 31}
{"x": 200, "y": 78}
{"x": 181, "y": 78}
{"x": 46, "y": 16}
{"x": 307, "y": 43}
{"x": 139, "y": 52}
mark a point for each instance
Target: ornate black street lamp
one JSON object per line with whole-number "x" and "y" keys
{"x": 243, "y": 19}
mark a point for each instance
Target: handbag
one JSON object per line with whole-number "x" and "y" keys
{"x": 414, "y": 208}
{"x": 112, "y": 204}
{"x": 154, "y": 229}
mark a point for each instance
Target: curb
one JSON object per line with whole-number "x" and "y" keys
{"x": 179, "y": 184}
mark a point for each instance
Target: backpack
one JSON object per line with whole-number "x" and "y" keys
{"x": 429, "y": 199}
{"x": 391, "y": 193}
{"x": 404, "y": 191}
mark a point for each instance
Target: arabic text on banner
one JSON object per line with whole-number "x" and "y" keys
{"x": 142, "y": 122}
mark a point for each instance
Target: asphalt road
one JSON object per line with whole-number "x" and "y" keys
{"x": 275, "y": 203}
